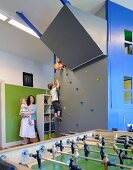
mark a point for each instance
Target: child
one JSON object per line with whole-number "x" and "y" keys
{"x": 55, "y": 98}
{"x": 59, "y": 65}
{"x": 23, "y": 109}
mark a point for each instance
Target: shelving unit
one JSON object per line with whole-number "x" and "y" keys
{"x": 45, "y": 117}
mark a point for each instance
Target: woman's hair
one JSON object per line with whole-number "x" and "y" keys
{"x": 28, "y": 100}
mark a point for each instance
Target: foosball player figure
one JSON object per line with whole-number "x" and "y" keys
{"x": 116, "y": 136}
{"x": 126, "y": 144}
{"x": 83, "y": 138}
{"x": 93, "y": 134}
{"x": 60, "y": 145}
{"x": 115, "y": 148}
{"x": 37, "y": 156}
{"x": 102, "y": 153}
{"x": 132, "y": 149}
{"x": 103, "y": 141}
{"x": 73, "y": 146}
{"x": 98, "y": 136}
{"x": 52, "y": 150}
{"x": 123, "y": 156}
{"x": 86, "y": 149}
{"x": 49, "y": 150}
{"x": 106, "y": 162}
{"x": 76, "y": 155}
{"x": 73, "y": 165}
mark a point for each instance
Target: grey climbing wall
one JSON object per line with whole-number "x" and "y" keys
{"x": 76, "y": 37}
{"x": 84, "y": 98}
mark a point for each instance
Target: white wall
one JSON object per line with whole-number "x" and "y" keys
{"x": 11, "y": 72}
{"x": 126, "y": 3}
{"x": 12, "y": 68}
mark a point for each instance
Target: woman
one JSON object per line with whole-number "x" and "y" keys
{"x": 27, "y": 130}
{"x": 32, "y": 110}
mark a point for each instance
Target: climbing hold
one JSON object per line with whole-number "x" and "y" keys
{"x": 86, "y": 71}
{"x": 97, "y": 78}
{"x": 69, "y": 114}
{"x": 82, "y": 93}
{"x": 77, "y": 89}
{"x": 66, "y": 74}
{"x": 92, "y": 110}
{"x": 81, "y": 103}
{"x": 77, "y": 124}
{"x": 70, "y": 82}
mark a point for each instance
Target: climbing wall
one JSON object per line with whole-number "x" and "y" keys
{"x": 79, "y": 39}
{"x": 76, "y": 37}
{"x": 83, "y": 95}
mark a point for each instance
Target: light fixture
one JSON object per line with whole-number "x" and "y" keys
{"x": 23, "y": 27}
{"x": 3, "y": 17}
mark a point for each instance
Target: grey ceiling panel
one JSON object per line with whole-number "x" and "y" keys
{"x": 68, "y": 39}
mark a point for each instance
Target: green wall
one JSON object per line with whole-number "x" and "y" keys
{"x": 13, "y": 94}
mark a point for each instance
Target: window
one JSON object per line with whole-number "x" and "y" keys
{"x": 128, "y": 42}
{"x": 128, "y": 35}
{"x": 127, "y": 90}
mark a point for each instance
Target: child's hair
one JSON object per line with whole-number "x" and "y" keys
{"x": 50, "y": 85}
{"x": 59, "y": 61}
{"x": 21, "y": 100}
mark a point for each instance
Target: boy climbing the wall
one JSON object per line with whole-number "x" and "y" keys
{"x": 54, "y": 88}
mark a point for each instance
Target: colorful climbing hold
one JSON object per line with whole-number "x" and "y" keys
{"x": 97, "y": 78}
{"x": 92, "y": 110}
{"x": 81, "y": 103}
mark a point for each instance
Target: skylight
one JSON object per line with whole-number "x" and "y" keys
{"x": 3, "y": 17}
{"x": 23, "y": 27}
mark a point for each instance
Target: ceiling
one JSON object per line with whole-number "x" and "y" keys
{"x": 40, "y": 13}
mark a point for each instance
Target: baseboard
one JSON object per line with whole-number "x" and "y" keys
{"x": 7, "y": 145}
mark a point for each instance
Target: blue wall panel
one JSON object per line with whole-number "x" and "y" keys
{"x": 120, "y": 64}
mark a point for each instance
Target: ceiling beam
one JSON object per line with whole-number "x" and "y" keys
{"x": 65, "y": 2}
{"x": 23, "y": 17}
